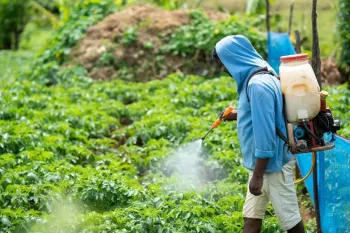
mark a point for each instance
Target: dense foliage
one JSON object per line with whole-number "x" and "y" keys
{"x": 202, "y": 34}
{"x": 344, "y": 34}
{"x": 71, "y": 142}
{"x": 15, "y": 14}
{"x": 13, "y": 17}
{"x": 339, "y": 102}
{"x": 85, "y": 14}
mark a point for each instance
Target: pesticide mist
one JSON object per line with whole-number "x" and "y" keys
{"x": 189, "y": 167}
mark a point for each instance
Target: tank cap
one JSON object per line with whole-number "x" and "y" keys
{"x": 297, "y": 57}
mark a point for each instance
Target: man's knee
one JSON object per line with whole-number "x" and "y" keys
{"x": 252, "y": 225}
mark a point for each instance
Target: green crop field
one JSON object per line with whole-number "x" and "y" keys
{"x": 70, "y": 162}
{"x": 12, "y": 62}
{"x": 82, "y": 155}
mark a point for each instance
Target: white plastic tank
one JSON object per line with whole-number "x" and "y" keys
{"x": 300, "y": 88}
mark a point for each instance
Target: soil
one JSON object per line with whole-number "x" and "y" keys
{"x": 151, "y": 23}
{"x": 330, "y": 73}
{"x": 307, "y": 212}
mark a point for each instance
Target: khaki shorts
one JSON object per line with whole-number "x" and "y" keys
{"x": 279, "y": 188}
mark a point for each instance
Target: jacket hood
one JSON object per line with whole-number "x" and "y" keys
{"x": 240, "y": 58}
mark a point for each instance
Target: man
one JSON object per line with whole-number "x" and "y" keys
{"x": 259, "y": 116}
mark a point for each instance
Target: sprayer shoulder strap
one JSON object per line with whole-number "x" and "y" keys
{"x": 259, "y": 71}
{"x": 266, "y": 71}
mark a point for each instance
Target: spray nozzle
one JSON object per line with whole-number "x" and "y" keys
{"x": 227, "y": 111}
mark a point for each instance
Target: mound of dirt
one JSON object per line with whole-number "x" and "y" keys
{"x": 104, "y": 53}
{"x": 330, "y": 73}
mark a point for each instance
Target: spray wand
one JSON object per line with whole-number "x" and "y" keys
{"x": 227, "y": 111}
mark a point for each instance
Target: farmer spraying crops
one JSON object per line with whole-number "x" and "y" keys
{"x": 260, "y": 121}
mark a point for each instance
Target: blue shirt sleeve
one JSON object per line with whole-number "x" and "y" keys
{"x": 262, "y": 102}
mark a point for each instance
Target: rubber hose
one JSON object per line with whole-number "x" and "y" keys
{"x": 312, "y": 134}
{"x": 310, "y": 171}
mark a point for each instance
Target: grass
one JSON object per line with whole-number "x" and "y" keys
{"x": 34, "y": 38}
{"x": 12, "y": 63}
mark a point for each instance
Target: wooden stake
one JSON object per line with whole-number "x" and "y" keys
{"x": 267, "y": 23}
{"x": 290, "y": 17}
{"x": 316, "y": 201}
{"x": 316, "y": 66}
{"x": 298, "y": 42}
{"x": 316, "y": 56}
{"x": 267, "y": 15}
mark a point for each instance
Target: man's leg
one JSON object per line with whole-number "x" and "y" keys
{"x": 254, "y": 209}
{"x": 252, "y": 225}
{"x": 283, "y": 197}
{"x": 299, "y": 228}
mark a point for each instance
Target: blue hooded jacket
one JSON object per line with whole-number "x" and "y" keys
{"x": 257, "y": 119}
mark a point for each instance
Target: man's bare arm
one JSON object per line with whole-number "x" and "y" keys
{"x": 257, "y": 180}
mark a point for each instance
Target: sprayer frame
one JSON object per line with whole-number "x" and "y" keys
{"x": 292, "y": 143}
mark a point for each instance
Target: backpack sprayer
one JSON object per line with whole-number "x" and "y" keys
{"x": 227, "y": 111}
{"x": 306, "y": 113}
{"x": 308, "y": 135}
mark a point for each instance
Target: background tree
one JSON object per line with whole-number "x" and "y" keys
{"x": 13, "y": 18}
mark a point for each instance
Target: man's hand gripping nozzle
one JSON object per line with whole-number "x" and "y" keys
{"x": 227, "y": 111}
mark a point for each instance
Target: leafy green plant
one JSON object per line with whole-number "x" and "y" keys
{"x": 129, "y": 37}
{"x": 344, "y": 35}
{"x": 107, "y": 59}
{"x": 169, "y": 4}
{"x": 148, "y": 45}
{"x": 255, "y": 6}
{"x": 340, "y": 105}
{"x": 84, "y": 14}
{"x": 200, "y": 36}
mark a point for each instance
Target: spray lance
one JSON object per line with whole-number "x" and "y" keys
{"x": 227, "y": 111}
